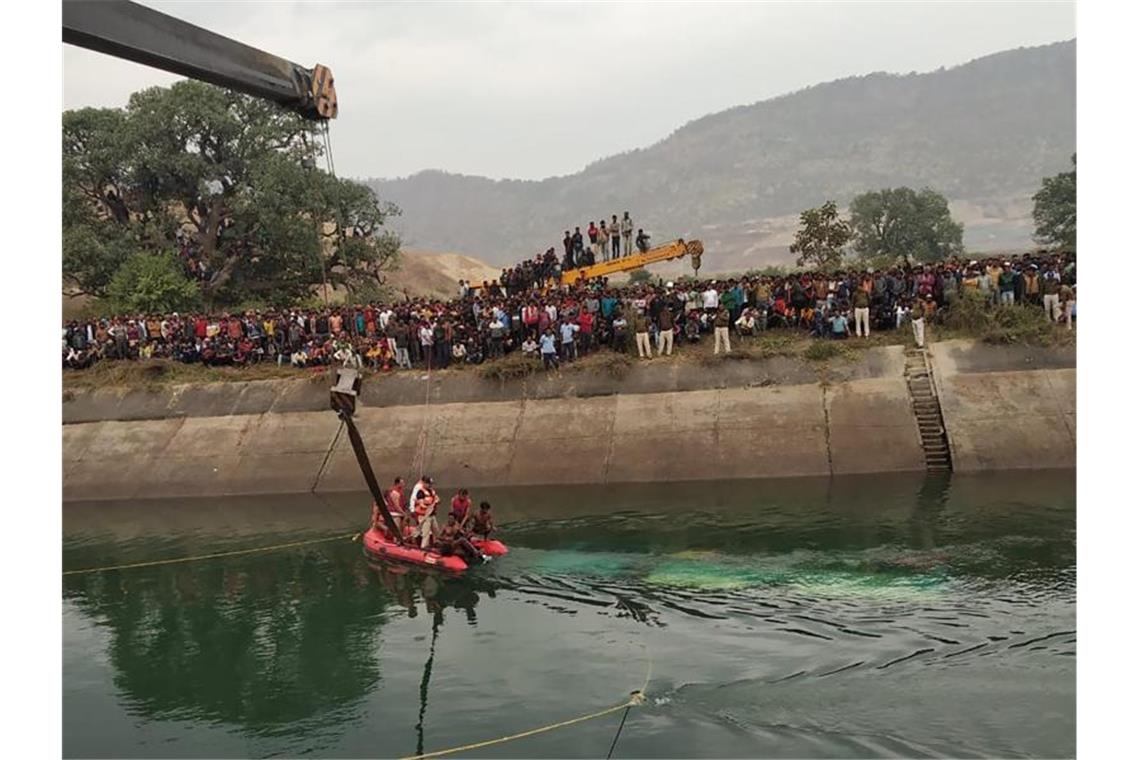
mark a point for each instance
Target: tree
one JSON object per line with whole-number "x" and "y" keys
{"x": 1055, "y": 210}
{"x": 640, "y": 275}
{"x": 229, "y": 169}
{"x": 821, "y": 237}
{"x": 900, "y": 223}
{"x": 151, "y": 283}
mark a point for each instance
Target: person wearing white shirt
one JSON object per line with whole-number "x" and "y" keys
{"x": 746, "y": 324}
{"x": 711, "y": 299}
{"x": 626, "y": 234}
{"x": 569, "y": 349}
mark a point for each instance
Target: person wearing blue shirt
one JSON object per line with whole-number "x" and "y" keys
{"x": 839, "y": 327}
{"x": 569, "y": 348}
{"x": 546, "y": 343}
{"x": 608, "y": 304}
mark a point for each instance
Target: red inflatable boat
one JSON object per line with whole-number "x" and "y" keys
{"x": 377, "y": 545}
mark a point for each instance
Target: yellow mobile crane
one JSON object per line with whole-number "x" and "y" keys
{"x": 136, "y": 33}
{"x": 692, "y": 248}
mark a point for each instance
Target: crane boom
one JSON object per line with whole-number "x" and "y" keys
{"x": 128, "y": 30}
{"x": 675, "y": 250}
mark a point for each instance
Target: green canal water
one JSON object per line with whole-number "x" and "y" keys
{"x": 866, "y": 617}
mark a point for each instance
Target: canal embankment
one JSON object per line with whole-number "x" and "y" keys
{"x": 1003, "y": 408}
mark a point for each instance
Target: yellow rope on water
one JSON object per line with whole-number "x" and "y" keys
{"x": 216, "y": 555}
{"x": 635, "y": 698}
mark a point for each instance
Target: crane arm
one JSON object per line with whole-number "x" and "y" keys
{"x": 675, "y": 250}
{"x": 128, "y": 30}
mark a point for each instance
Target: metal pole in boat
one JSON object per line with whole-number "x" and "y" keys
{"x": 342, "y": 398}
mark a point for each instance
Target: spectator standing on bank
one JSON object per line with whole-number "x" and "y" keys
{"x": 427, "y": 337}
{"x": 586, "y": 328}
{"x": 665, "y": 332}
{"x": 1068, "y": 298}
{"x": 549, "y": 357}
{"x": 861, "y": 300}
{"x": 710, "y": 298}
{"x": 1031, "y": 285}
{"x": 620, "y": 333}
{"x": 627, "y": 234}
{"x": 720, "y": 326}
{"x": 568, "y": 330}
{"x": 918, "y": 323}
{"x": 1007, "y": 283}
{"x": 641, "y": 333}
{"x": 1051, "y": 293}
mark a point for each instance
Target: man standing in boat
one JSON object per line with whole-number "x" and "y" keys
{"x": 394, "y": 499}
{"x": 422, "y": 504}
{"x": 461, "y": 507}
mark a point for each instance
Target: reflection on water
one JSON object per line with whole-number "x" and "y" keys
{"x": 848, "y": 617}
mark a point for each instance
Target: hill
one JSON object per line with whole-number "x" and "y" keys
{"x": 425, "y": 273}
{"x": 983, "y": 133}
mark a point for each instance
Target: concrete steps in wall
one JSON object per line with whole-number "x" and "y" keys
{"x": 927, "y": 411}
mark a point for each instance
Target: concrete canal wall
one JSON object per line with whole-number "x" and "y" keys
{"x": 772, "y": 418}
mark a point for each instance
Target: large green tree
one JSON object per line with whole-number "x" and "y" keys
{"x": 820, "y": 239}
{"x": 899, "y": 223}
{"x": 1055, "y": 210}
{"x": 234, "y": 171}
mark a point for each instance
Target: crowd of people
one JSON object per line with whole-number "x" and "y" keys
{"x": 557, "y": 324}
{"x": 601, "y": 242}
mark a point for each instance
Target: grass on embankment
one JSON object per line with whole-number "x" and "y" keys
{"x": 155, "y": 374}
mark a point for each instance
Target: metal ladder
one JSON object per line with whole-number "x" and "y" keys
{"x": 927, "y": 411}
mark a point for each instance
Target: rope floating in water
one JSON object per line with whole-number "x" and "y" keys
{"x": 635, "y": 698}
{"x": 215, "y": 555}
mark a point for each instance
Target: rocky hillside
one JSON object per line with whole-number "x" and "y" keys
{"x": 983, "y": 133}
{"x": 423, "y": 273}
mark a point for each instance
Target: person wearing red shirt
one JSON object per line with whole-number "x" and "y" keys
{"x": 461, "y": 506}
{"x": 586, "y": 330}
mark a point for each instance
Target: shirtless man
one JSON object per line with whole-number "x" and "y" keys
{"x": 481, "y": 523}
{"x": 451, "y": 541}
{"x": 394, "y": 501}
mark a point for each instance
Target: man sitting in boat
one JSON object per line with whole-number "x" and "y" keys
{"x": 451, "y": 541}
{"x": 481, "y": 523}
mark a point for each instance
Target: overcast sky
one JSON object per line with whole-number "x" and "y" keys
{"x": 534, "y": 90}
